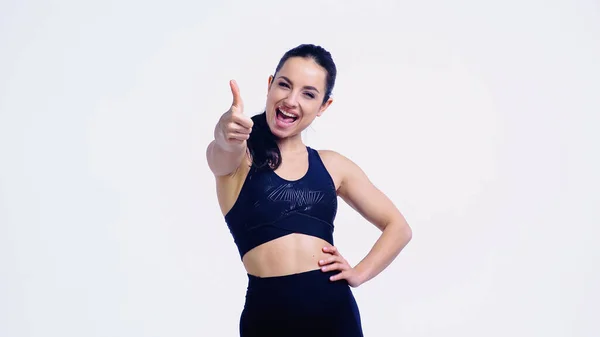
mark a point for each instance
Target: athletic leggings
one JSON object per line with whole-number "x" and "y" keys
{"x": 305, "y": 304}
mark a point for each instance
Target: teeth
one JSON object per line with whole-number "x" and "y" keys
{"x": 285, "y": 113}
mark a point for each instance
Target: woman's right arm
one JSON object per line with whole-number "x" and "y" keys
{"x": 226, "y": 152}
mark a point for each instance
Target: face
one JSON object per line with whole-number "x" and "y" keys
{"x": 295, "y": 97}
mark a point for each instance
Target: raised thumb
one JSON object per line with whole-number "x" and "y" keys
{"x": 237, "y": 98}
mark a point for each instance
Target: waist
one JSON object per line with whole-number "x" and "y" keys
{"x": 251, "y": 234}
{"x": 279, "y": 286}
{"x": 290, "y": 254}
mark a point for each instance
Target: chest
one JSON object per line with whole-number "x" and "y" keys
{"x": 293, "y": 168}
{"x": 271, "y": 196}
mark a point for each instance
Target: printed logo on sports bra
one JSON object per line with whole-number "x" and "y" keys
{"x": 296, "y": 197}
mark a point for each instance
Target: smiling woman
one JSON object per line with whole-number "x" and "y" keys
{"x": 279, "y": 199}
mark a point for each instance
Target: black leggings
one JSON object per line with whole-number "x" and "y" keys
{"x": 306, "y": 304}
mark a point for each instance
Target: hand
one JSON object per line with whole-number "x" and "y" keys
{"x": 337, "y": 262}
{"x": 234, "y": 127}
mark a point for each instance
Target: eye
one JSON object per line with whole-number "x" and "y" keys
{"x": 284, "y": 85}
{"x": 310, "y": 94}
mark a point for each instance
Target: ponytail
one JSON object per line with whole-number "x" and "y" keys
{"x": 262, "y": 145}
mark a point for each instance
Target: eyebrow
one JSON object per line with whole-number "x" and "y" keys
{"x": 309, "y": 87}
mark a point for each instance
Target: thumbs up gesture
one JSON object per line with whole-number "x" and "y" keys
{"x": 233, "y": 128}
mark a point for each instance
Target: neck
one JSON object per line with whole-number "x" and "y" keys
{"x": 291, "y": 144}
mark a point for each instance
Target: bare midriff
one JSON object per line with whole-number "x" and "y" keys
{"x": 290, "y": 254}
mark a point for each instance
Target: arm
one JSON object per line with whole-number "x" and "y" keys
{"x": 357, "y": 190}
{"x": 223, "y": 161}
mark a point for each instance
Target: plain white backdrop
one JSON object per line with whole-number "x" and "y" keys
{"x": 477, "y": 118}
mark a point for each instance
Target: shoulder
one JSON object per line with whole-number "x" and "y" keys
{"x": 331, "y": 157}
{"x": 341, "y": 168}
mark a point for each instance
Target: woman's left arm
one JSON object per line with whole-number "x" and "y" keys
{"x": 359, "y": 192}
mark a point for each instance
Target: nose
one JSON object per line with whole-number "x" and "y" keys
{"x": 291, "y": 100}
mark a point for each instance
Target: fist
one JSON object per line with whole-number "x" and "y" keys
{"x": 234, "y": 126}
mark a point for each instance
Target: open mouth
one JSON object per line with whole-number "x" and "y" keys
{"x": 285, "y": 117}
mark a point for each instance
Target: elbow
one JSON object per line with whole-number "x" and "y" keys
{"x": 210, "y": 158}
{"x": 406, "y": 232}
{"x": 401, "y": 230}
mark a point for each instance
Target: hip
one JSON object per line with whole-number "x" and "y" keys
{"x": 306, "y": 303}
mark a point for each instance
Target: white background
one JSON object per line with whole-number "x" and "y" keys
{"x": 477, "y": 118}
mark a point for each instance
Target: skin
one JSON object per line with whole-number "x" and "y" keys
{"x": 300, "y": 87}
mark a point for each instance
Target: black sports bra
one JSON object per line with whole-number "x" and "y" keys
{"x": 269, "y": 207}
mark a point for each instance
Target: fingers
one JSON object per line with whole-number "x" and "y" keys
{"x": 237, "y": 98}
{"x": 330, "y": 260}
{"x": 335, "y": 262}
{"x": 331, "y": 250}
{"x": 235, "y": 141}
{"x": 339, "y": 276}
{"x": 235, "y": 132}
{"x": 336, "y": 266}
{"x": 237, "y": 127}
{"x": 237, "y": 136}
{"x": 234, "y": 126}
{"x": 243, "y": 120}
{"x": 237, "y": 107}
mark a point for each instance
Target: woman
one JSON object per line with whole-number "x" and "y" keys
{"x": 279, "y": 199}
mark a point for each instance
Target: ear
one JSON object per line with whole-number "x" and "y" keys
{"x": 324, "y": 107}
{"x": 270, "y": 82}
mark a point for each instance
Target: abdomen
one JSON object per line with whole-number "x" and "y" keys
{"x": 289, "y": 254}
